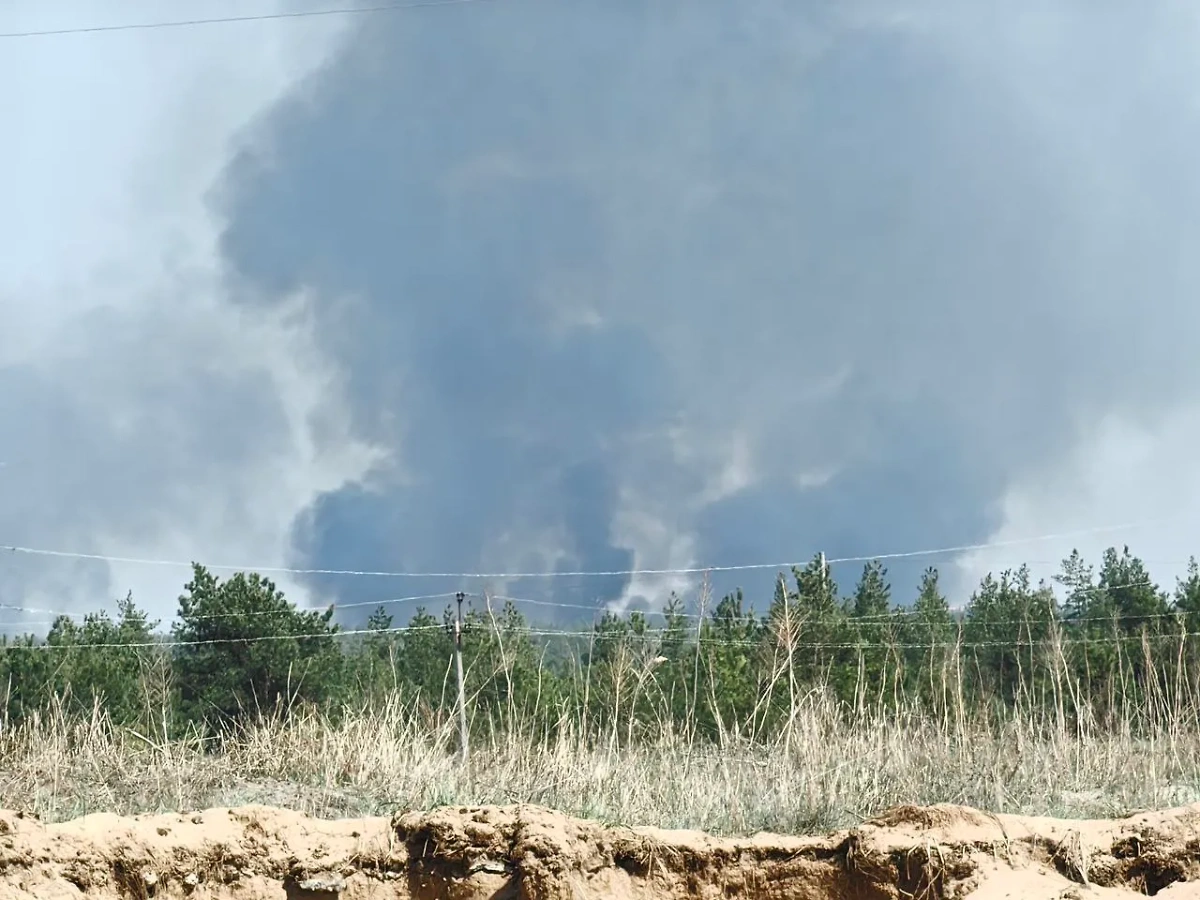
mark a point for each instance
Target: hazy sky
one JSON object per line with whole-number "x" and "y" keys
{"x": 532, "y": 286}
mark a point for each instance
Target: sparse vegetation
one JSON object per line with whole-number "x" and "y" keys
{"x": 813, "y": 715}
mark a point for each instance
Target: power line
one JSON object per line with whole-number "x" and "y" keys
{"x": 693, "y": 570}
{"x": 901, "y": 616}
{"x": 389, "y": 600}
{"x": 558, "y": 634}
{"x": 860, "y": 645}
{"x": 251, "y": 639}
{"x": 994, "y": 545}
{"x": 230, "y": 615}
{"x": 898, "y": 616}
{"x": 899, "y": 612}
{"x": 224, "y": 20}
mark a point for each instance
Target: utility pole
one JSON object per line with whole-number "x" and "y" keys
{"x": 462, "y": 693}
{"x": 824, "y": 570}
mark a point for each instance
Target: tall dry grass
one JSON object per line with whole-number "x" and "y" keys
{"x": 829, "y": 768}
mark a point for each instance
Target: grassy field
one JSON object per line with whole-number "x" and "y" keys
{"x": 829, "y": 769}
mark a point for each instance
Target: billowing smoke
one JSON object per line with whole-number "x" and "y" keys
{"x": 142, "y": 413}
{"x": 691, "y": 283}
{"x": 667, "y": 285}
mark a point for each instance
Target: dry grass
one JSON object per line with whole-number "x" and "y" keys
{"x": 833, "y": 771}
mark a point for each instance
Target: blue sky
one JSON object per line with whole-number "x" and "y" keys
{"x": 529, "y": 286}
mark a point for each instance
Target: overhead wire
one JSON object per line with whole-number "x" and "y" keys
{"x": 751, "y": 616}
{"x": 559, "y": 634}
{"x": 596, "y": 633}
{"x": 226, "y": 20}
{"x": 689, "y": 570}
{"x": 233, "y": 614}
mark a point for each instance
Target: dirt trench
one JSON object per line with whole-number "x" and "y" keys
{"x": 527, "y": 853}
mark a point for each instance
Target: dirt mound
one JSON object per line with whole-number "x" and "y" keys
{"x": 526, "y": 853}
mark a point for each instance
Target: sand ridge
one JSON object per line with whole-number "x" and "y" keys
{"x": 529, "y": 853}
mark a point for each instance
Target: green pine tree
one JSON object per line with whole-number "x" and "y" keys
{"x": 1187, "y": 597}
{"x": 928, "y": 632}
{"x": 871, "y": 630}
{"x": 243, "y": 649}
{"x": 824, "y": 661}
{"x": 1009, "y": 622}
{"x": 104, "y": 661}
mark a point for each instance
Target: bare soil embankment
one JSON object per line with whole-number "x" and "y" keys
{"x": 259, "y": 853}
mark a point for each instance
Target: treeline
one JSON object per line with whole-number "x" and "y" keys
{"x": 1116, "y": 646}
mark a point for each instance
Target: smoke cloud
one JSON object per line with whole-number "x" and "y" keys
{"x": 626, "y": 286}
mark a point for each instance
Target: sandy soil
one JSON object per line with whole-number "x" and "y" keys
{"x": 256, "y": 853}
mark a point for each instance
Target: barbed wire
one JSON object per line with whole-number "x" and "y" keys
{"x": 690, "y": 570}
{"x": 594, "y": 635}
{"x": 931, "y": 645}
{"x": 748, "y": 618}
{"x": 200, "y": 642}
{"x": 899, "y": 614}
{"x": 234, "y": 614}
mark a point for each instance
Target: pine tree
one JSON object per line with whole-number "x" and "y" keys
{"x": 26, "y": 677}
{"x": 425, "y": 658}
{"x": 729, "y": 687}
{"x": 1008, "y": 624}
{"x": 1090, "y": 626}
{"x": 823, "y": 631}
{"x": 1083, "y": 603}
{"x": 927, "y": 631}
{"x": 1187, "y": 611}
{"x": 103, "y": 661}
{"x": 872, "y": 594}
{"x": 1187, "y": 597}
{"x": 673, "y": 677}
{"x": 243, "y": 649}
{"x": 871, "y": 625}
{"x": 502, "y": 667}
{"x": 1141, "y": 610}
{"x": 374, "y": 668}
{"x": 1133, "y": 595}
{"x": 931, "y": 611}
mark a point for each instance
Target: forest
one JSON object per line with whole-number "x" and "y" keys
{"x": 1099, "y": 644}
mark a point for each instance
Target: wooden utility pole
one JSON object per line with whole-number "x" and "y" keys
{"x": 462, "y": 693}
